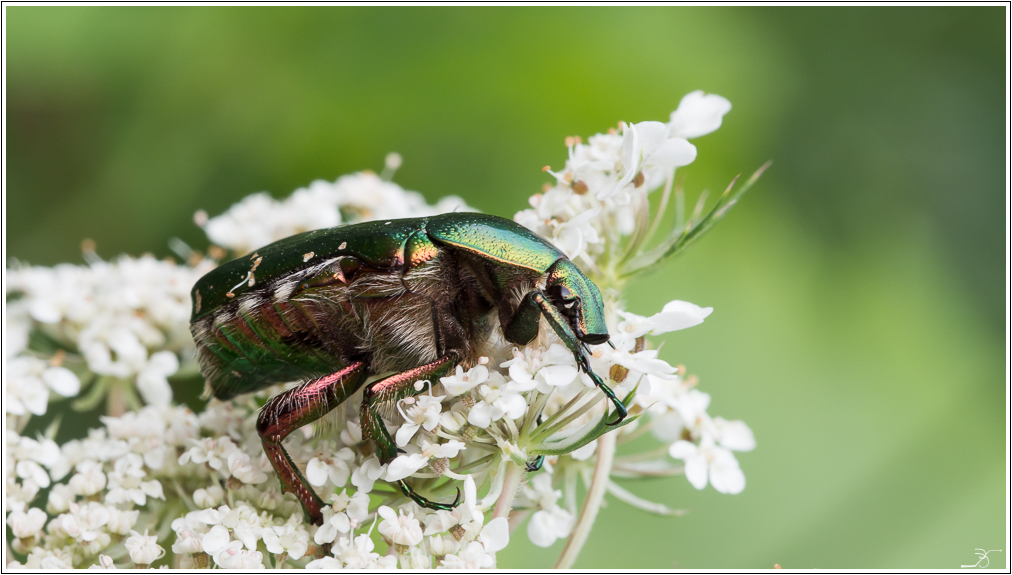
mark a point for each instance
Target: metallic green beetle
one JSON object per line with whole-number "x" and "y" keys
{"x": 415, "y": 297}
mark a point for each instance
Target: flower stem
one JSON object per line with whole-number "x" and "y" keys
{"x": 591, "y": 505}
{"x": 510, "y": 486}
{"x": 115, "y": 401}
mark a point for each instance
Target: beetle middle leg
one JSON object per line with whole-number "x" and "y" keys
{"x": 522, "y": 328}
{"x": 288, "y": 411}
{"x": 395, "y": 388}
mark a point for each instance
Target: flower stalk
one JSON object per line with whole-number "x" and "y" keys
{"x": 511, "y": 485}
{"x": 592, "y": 503}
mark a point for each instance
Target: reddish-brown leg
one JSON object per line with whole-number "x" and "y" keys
{"x": 286, "y": 412}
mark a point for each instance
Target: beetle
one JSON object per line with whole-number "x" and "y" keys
{"x": 414, "y": 297}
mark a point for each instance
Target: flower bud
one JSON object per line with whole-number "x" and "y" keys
{"x": 210, "y": 497}
{"x": 440, "y": 545}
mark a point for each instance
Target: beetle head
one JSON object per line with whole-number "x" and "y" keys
{"x": 579, "y": 300}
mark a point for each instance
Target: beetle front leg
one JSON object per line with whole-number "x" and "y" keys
{"x": 288, "y": 411}
{"x": 565, "y": 333}
{"x": 395, "y": 388}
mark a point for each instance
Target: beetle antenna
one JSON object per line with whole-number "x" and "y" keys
{"x": 612, "y": 344}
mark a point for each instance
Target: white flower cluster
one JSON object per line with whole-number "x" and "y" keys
{"x": 598, "y": 194}
{"x": 161, "y": 485}
{"x": 126, "y": 322}
{"x": 259, "y": 219}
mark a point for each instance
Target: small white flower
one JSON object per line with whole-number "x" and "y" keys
{"x": 548, "y": 525}
{"x": 461, "y": 382}
{"x": 125, "y": 482}
{"x": 215, "y": 540}
{"x": 291, "y": 538}
{"x": 243, "y": 468}
{"x": 233, "y": 556}
{"x": 335, "y": 468}
{"x": 358, "y": 553}
{"x": 29, "y": 380}
{"x": 351, "y": 435}
{"x": 400, "y": 529}
{"x": 641, "y": 362}
{"x": 212, "y": 496}
{"x": 213, "y": 452}
{"x": 104, "y": 340}
{"x": 334, "y": 522}
{"x": 366, "y": 474}
{"x": 89, "y": 479}
{"x": 540, "y": 492}
{"x": 440, "y": 545}
{"x": 25, "y": 525}
{"x": 452, "y": 421}
{"x": 60, "y": 497}
{"x": 143, "y": 549}
{"x": 495, "y": 535}
{"x": 534, "y": 369}
{"x": 472, "y": 556}
{"x": 734, "y": 435}
{"x": 709, "y": 461}
{"x": 698, "y": 114}
{"x": 62, "y": 381}
{"x": 407, "y": 464}
{"x": 573, "y": 236}
{"x": 121, "y": 521}
{"x": 647, "y": 149}
{"x": 422, "y": 412}
{"x": 104, "y": 562}
{"x": 674, "y": 316}
{"x": 151, "y": 381}
{"x": 439, "y": 521}
{"x": 498, "y": 400}
{"x": 33, "y": 472}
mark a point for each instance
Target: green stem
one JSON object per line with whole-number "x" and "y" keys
{"x": 510, "y": 486}
{"x": 591, "y": 505}
{"x": 116, "y": 400}
{"x": 542, "y": 432}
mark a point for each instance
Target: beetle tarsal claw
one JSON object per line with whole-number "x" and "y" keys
{"x": 622, "y": 413}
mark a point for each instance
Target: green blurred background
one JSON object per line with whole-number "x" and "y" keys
{"x": 859, "y": 296}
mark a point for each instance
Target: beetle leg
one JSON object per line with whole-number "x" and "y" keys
{"x": 522, "y": 327}
{"x": 395, "y": 388}
{"x": 536, "y": 463}
{"x": 288, "y": 411}
{"x": 565, "y": 333}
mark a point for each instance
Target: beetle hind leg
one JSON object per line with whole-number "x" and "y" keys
{"x": 288, "y": 411}
{"x": 392, "y": 389}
